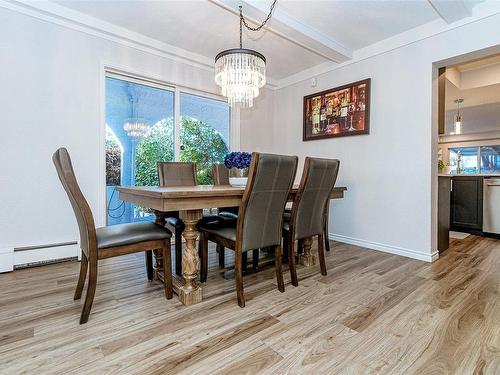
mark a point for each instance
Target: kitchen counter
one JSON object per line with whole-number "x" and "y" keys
{"x": 470, "y": 175}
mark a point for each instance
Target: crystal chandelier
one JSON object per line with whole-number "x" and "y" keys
{"x": 136, "y": 127}
{"x": 241, "y": 72}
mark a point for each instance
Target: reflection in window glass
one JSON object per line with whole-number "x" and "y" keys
{"x": 204, "y": 133}
{"x": 463, "y": 160}
{"x": 131, "y": 160}
{"x": 490, "y": 159}
{"x": 209, "y": 111}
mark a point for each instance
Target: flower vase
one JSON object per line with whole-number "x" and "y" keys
{"x": 238, "y": 177}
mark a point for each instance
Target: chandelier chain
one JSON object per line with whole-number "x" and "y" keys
{"x": 258, "y": 28}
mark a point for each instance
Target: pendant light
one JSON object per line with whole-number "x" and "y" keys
{"x": 458, "y": 117}
{"x": 241, "y": 72}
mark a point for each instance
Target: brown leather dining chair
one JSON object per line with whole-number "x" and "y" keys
{"x": 260, "y": 217}
{"x": 110, "y": 241}
{"x": 307, "y": 218}
{"x": 220, "y": 175}
{"x": 173, "y": 174}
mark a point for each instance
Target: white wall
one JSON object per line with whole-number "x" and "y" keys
{"x": 51, "y": 97}
{"x": 476, "y": 119}
{"x": 390, "y": 173}
{"x": 256, "y": 124}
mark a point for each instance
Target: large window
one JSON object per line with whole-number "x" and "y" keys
{"x": 203, "y": 137}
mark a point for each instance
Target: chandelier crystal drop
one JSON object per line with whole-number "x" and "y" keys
{"x": 137, "y": 128}
{"x": 134, "y": 126}
{"x": 241, "y": 72}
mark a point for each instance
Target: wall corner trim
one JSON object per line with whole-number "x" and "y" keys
{"x": 6, "y": 259}
{"x": 408, "y": 253}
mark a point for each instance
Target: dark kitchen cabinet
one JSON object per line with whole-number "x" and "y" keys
{"x": 444, "y": 191}
{"x": 466, "y": 206}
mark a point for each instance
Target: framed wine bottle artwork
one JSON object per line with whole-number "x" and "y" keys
{"x": 337, "y": 112}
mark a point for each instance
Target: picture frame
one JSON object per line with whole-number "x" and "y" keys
{"x": 337, "y": 112}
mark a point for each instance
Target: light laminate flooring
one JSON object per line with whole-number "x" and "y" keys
{"x": 374, "y": 313}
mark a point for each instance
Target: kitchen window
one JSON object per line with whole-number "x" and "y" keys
{"x": 490, "y": 159}
{"x": 475, "y": 160}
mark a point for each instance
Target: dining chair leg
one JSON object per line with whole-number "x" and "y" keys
{"x": 178, "y": 252}
{"x": 279, "y": 273}
{"x": 286, "y": 251}
{"x": 244, "y": 261}
{"x": 167, "y": 270}
{"x": 325, "y": 226}
{"x": 238, "y": 276}
{"x": 221, "y": 250}
{"x": 149, "y": 264}
{"x": 300, "y": 247}
{"x": 255, "y": 259}
{"x": 291, "y": 260}
{"x": 89, "y": 298}
{"x": 203, "y": 254}
{"x": 325, "y": 235}
{"x": 81, "y": 279}
{"x": 321, "y": 254}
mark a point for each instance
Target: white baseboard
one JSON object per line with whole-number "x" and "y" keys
{"x": 45, "y": 254}
{"x": 6, "y": 259}
{"x": 385, "y": 248}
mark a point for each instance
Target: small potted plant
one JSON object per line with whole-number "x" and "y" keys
{"x": 441, "y": 166}
{"x": 238, "y": 164}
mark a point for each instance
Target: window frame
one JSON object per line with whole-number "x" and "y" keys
{"x": 478, "y": 155}
{"x": 177, "y": 90}
{"x": 126, "y": 74}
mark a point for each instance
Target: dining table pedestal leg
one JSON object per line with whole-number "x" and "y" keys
{"x": 189, "y": 292}
{"x": 307, "y": 258}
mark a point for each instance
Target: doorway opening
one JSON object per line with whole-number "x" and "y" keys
{"x": 468, "y": 148}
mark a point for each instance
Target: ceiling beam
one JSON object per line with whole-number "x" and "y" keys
{"x": 290, "y": 28}
{"x": 452, "y": 11}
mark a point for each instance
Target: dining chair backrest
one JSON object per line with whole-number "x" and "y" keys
{"x": 220, "y": 174}
{"x": 81, "y": 208}
{"x": 172, "y": 174}
{"x": 261, "y": 212}
{"x": 317, "y": 182}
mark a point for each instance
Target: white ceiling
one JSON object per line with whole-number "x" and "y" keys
{"x": 472, "y": 97}
{"x": 477, "y": 64}
{"x": 357, "y": 24}
{"x": 301, "y": 34}
{"x": 476, "y": 81}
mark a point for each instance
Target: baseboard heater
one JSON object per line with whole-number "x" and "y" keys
{"x": 44, "y": 262}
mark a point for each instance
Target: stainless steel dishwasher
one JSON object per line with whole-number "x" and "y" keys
{"x": 491, "y": 205}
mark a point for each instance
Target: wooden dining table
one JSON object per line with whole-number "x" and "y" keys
{"x": 190, "y": 202}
